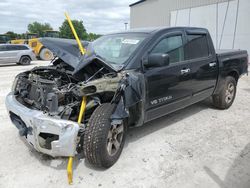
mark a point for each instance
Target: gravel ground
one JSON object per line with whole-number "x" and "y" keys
{"x": 196, "y": 147}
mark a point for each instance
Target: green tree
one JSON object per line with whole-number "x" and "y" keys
{"x": 12, "y": 35}
{"x": 93, "y": 36}
{"x": 39, "y": 28}
{"x": 22, "y": 36}
{"x": 65, "y": 31}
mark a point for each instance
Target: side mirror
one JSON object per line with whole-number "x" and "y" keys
{"x": 157, "y": 60}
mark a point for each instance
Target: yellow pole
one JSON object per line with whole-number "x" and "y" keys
{"x": 69, "y": 170}
{"x": 75, "y": 34}
{"x": 83, "y": 104}
{"x": 71, "y": 159}
{"x": 82, "y": 110}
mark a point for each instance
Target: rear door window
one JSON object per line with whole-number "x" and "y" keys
{"x": 16, "y": 47}
{"x": 196, "y": 47}
{"x": 173, "y": 46}
{"x": 11, "y": 48}
{"x": 23, "y": 48}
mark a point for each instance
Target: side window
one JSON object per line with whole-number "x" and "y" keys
{"x": 196, "y": 47}
{"x": 173, "y": 46}
{"x": 22, "y": 48}
{"x": 11, "y": 48}
{"x": 15, "y": 48}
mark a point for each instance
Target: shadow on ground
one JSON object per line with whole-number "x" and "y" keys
{"x": 239, "y": 173}
{"x": 133, "y": 135}
{"x": 12, "y": 65}
{"x": 165, "y": 121}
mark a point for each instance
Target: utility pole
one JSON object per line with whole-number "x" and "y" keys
{"x": 126, "y": 25}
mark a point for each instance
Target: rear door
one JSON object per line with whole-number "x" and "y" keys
{"x": 168, "y": 87}
{"x": 199, "y": 52}
{"x": 12, "y": 53}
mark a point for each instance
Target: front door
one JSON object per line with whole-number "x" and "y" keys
{"x": 11, "y": 53}
{"x": 168, "y": 87}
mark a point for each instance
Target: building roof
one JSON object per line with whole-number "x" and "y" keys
{"x": 136, "y": 3}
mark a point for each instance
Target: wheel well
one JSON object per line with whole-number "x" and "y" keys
{"x": 24, "y": 56}
{"x": 234, "y": 74}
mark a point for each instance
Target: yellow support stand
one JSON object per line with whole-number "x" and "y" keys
{"x": 83, "y": 104}
{"x": 82, "y": 110}
{"x": 71, "y": 159}
{"x": 75, "y": 34}
{"x": 70, "y": 170}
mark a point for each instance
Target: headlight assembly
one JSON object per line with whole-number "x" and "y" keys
{"x": 13, "y": 88}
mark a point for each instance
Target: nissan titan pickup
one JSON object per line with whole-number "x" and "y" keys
{"x": 126, "y": 79}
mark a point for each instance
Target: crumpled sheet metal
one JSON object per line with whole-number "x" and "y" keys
{"x": 131, "y": 91}
{"x": 68, "y": 51}
{"x": 65, "y": 49}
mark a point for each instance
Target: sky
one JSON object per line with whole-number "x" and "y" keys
{"x": 98, "y": 16}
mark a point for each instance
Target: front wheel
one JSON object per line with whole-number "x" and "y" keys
{"x": 227, "y": 94}
{"x": 103, "y": 141}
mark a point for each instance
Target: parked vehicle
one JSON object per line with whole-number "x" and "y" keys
{"x": 33, "y": 42}
{"x": 16, "y": 53}
{"x": 128, "y": 79}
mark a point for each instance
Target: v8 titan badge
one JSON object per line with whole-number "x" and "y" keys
{"x": 161, "y": 100}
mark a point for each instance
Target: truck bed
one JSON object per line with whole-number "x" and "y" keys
{"x": 232, "y": 62}
{"x": 229, "y": 52}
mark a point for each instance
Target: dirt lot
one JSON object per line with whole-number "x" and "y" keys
{"x": 195, "y": 147}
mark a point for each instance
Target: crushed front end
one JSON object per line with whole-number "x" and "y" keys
{"x": 45, "y": 102}
{"x": 45, "y": 133}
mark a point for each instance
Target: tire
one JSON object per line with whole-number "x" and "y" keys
{"x": 24, "y": 60}
{"x": 227, "y": 95}
{"x": 46, "y": 55}
{"x": 100, "y": 137}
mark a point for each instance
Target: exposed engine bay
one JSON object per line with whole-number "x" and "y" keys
{"x": 55, "y": 106}
{"x": 58, "y": 92}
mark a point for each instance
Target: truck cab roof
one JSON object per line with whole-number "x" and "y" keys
{"x": 154, "y": 30}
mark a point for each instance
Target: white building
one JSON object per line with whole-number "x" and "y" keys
{"x": 227, "y": 20}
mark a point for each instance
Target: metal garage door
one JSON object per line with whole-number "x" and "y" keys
{"x": 227, "y": 22}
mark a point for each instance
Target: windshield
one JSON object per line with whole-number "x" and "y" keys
{"x": 116, "y": 49}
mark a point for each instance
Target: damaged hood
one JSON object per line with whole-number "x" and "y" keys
{"x": 68, "y": 51}
{"x": 65, "y": 49}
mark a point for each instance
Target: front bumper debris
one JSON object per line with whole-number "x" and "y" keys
{"x": 46, "y": 134}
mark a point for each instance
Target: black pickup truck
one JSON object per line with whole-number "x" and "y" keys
{"x": 126, "y": 79}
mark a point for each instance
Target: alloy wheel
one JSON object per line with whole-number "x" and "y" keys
{"x": 114, "y": 140}
{"x": 230, "y": 91}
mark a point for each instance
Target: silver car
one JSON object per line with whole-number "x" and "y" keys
{"x": 16, "y": 53}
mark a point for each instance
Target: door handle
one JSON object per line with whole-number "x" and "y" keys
{"x": 185, "y": 71}
{"x": 212, "y": 64}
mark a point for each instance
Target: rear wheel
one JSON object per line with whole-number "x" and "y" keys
{"x": 46, "y": 54}
{"x": 25, "y": 60}
{"x": 103, "y": 141}
{"x": 227, "y": 95}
